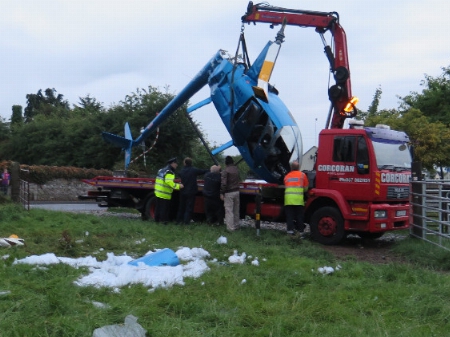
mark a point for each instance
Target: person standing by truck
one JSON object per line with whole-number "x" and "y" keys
{"x": 295, "y": 186}
{"x": 164, "y": 186}
{"x": 188, "y": 175}
{"x": 5, "y": 181}
{"x": 214, "y": 210}
{"x": 229, "y": 193}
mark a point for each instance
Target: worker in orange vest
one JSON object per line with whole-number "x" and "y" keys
{"x": 296, "y": 185}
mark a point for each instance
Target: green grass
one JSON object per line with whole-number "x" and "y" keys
{"x": 283, "y": 296}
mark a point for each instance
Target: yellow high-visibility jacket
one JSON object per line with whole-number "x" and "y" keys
{"x": 165, "y": 184}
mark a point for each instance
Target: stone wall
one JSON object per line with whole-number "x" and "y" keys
{"x": 58, "y": 190}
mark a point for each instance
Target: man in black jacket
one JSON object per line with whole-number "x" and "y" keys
{"x": 211, "y": 194}
{"x": 188, "y": 176}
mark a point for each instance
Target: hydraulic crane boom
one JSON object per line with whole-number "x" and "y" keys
{"x": 340, "y": 94}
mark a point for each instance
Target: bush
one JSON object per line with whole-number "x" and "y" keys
{"x": 40, "y": 174}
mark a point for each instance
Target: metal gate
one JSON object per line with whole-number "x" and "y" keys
{"x": 24, "y": 192}
{"x": 429, "y": 211}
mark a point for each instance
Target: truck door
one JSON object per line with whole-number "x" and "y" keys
{"x": 351, "y": 167}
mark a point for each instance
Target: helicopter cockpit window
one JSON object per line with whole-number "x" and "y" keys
{"x": 292, "y": 138}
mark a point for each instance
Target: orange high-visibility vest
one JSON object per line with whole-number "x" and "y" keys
{"x": 296, "y": 184}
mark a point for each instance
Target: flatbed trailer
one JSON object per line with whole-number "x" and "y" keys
{"x": 138, "y": 193}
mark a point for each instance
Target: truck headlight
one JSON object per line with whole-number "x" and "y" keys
{"x": 379, "y": 214}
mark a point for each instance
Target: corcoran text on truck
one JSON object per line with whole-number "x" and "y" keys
{"x": 360, "y": 180}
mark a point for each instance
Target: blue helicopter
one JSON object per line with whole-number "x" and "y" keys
{"x": 260, "y": 125}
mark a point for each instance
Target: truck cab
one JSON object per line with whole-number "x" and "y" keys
{"x": 361, "y": 180}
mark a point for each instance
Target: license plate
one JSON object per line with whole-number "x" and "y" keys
{"x": 401, "y": 213}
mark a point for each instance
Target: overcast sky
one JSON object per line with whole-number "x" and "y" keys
{"x": 108, "y": 49}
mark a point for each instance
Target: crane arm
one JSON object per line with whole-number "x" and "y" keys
{"x": 340, "y": 94}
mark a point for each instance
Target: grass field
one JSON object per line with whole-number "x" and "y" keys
{"x": 283, "y": 296}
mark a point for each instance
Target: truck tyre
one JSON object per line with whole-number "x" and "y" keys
{"x": 327, "y": 226}
{"x": 149, "y": 209}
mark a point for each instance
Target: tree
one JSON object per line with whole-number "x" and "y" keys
{"x": 176, "y": 135}
{"x": 425, "y": 117}
{"x": 4, "y": 132}
{"x": 47, "y": 104}
{"x": 76, "y": 142}
{"x": 16, "y": 117}
{"x": 431, "y": 140}
{"x": 373, "y": 108}
{"x": 434, "y": 100}
{"x": 434, "y": 103}
{"x": 88, "y": 105}
{"x": 45, "y": 140}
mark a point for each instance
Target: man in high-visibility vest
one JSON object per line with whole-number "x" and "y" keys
{"x": 296, "y": 185}
{"x": 164, "y": 186}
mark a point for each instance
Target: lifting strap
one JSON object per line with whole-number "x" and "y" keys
{"x": 246, "y": 59}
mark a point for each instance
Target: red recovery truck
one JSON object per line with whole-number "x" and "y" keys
{"x": 360, "y": 181}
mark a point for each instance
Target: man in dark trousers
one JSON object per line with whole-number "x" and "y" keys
{"x": 296, "y": 185}
{"x": 164, "y": 186}
{"x": 188, "y": 176}
{"x": 214, "y": 210}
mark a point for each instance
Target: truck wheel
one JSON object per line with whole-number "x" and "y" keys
{"x": 327, "y": 226}
{"x": 149, "y": 209}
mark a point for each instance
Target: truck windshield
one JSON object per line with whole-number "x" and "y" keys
{"x": 392, "y": 155}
